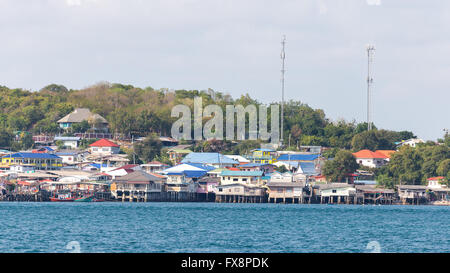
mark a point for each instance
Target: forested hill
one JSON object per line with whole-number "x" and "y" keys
{"x": 137, "y": 111}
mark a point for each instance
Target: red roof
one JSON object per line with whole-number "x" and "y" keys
{"x": 104, "y": 143}
{"x": 158, "y": 175}
{"x": 369, "y": 154}
{"x": 127, "y": 167}
{"x": 386, "y": 153}
{"x": 24, "y": 183}
{"x": 436, "y": 178}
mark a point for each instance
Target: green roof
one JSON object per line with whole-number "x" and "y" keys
{"x": 181, "y": 151}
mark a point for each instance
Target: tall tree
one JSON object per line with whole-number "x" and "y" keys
{"x": 149, "y": 148}
{"x": 406, "y": 166}
{"x": 339, "y": 168}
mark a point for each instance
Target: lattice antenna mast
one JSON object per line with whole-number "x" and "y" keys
{"x": 370, "y": 53}
{"x": 283, "y": 56}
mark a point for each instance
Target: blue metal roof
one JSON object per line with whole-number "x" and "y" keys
{"x": 97, "y": 165}
{"x": 189, "y": 174}
{"x": 202, "y": 166}
{"x": 208, "y": 158}
{"x": 298, "y": 157}
{"x": 264, "y": 150}
{"x": 308, "y": 167}
{"x": 252, "y": 165}
{"x": 67, "y": 154}
{"x": 33, "y": 155}
{"x": 365, "y": 182}
{"x": 241, "y": 173}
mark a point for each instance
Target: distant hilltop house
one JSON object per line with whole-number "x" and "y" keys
{"x": 81, "y": 114}
{"x": 410, "y": 142}
{"x": 373, "y": 159}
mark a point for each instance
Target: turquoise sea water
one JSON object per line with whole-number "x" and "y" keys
{"x": 211, "y": 227}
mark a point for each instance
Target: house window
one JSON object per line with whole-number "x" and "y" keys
{"x": 334, "y": 191}
{"x": 235, "y": 179}
{"x": 220, "y": 189}
{"x": 244, "y": 179}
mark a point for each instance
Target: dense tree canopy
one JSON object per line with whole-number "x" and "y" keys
{"x": 141, "y": 111}
{"x": 148, "y": 149}
{"x": 413, "y": 166}
{"x": 339, "y": 168}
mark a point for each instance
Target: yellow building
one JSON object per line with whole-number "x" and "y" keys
{"x": 265, "y": 156}
{"x": 40, "y": 161}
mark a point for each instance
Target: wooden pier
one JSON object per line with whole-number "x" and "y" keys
{"x": 240, "y": 199}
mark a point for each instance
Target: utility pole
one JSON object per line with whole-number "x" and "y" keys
{"x": 283, "y": 56}
{"x": 370, "y": 51}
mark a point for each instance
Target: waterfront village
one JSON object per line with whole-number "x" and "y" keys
{"x": 101, "y": 172}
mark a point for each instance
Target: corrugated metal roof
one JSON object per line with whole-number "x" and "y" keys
{"x": 33, "y": 155}
{"x": 208, "y": 158}
{"x": 104, "y": 143}
{"x": 298, "y": 157}
{"x": 81, "y": 114}
{"x": 137, "y": 176}
{"x": 308, "y": 168}
{"x": 264, "y": 150}
{"x": 253, "y": 165}
{"x": 369, "y": 154}
{"x": 241, "y": 173}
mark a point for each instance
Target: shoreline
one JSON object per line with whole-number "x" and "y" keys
{"x": 205, "y": 202}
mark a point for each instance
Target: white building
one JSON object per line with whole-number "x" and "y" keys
{"x": 70, "y": 142}
{"x": 436, "y": 182}
{"x": 243, "y": 177}
{"x": 281, "y": 177}
{"x": 411, "y": 142}
{"x": 370, "y": 159}
{"x": 104, "y": 147}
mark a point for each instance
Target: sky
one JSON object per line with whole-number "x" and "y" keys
{"x": 233, "y": 46}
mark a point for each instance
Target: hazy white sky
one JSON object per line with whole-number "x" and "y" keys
{"x": 234, "y": 47}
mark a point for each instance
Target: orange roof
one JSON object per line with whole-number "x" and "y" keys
{"x": 368, "y": 154}
{"x": 386, "y": 153}
{"x": 158, "y": 175}
{"x": 104, "y": 143}
{"x": 436, "y": 178}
